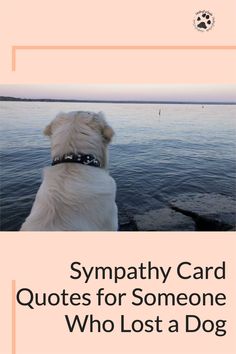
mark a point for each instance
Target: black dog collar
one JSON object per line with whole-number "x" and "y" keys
{"x": 84, "y": 159}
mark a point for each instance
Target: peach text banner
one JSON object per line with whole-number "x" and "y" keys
{"x": 109, "y": 41}
{"x": 42, "y": 262}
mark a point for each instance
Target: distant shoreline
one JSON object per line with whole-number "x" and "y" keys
{"x": 13, "y": 99}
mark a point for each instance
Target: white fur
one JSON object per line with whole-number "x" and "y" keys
{"x": 74, "y": 196}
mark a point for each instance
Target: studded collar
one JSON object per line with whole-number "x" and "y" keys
{"x": 84, "y": 159}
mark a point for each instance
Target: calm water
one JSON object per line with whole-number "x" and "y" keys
{"x": 187, "y": 155}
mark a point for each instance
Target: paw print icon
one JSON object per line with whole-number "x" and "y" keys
{"x": 204, "y": 21}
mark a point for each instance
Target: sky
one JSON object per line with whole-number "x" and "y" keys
{"x": 155, "y": 92}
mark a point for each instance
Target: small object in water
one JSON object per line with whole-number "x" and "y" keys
{"x": 159, "y": 112}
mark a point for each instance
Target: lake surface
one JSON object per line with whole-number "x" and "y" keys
{"x": 174, "y": 171}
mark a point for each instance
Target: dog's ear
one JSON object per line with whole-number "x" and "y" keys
{"x": 58, "y": 120}
{"x": 107, "y": 131}
{"x": 48, "y": 130}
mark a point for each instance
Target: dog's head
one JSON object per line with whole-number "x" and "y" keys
{"x": 84, "y": 132}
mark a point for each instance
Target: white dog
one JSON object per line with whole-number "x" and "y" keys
{"x": 77, "y": 192}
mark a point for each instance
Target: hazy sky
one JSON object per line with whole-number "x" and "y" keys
{"x": 161, "y": 92}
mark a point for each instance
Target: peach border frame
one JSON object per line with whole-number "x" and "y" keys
{"x": 16, "y": 48}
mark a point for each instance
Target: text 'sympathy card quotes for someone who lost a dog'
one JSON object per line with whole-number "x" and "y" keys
{"x": 117, "y": 177}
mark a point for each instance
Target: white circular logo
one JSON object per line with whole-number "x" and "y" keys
{"x": 204, "y": 21}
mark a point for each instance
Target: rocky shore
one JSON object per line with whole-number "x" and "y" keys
{"x": 188, "y": 212}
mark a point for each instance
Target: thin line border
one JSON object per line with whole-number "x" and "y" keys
{"x": 16, "y": 48}
{"x": 13, "y": 339}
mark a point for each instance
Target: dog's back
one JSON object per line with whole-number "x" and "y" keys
{"x": 74, "y": 197}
